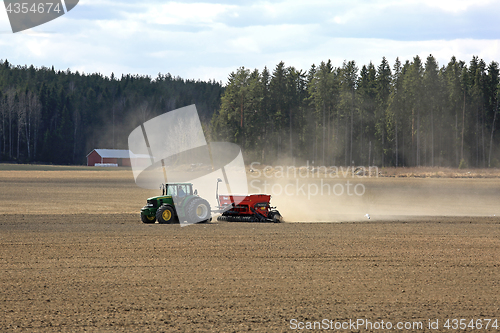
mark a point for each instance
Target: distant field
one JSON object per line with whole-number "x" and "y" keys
{"x": 70, "y": 190}
{"x": 419, "y": 172}
{"x": 440, "y": 172}
{"x": 45, "y": 167}
{"x": 37, "y": 189}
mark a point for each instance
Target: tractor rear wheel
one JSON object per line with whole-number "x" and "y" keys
{"x": 148, "y": 219}
{"x": 165, "y": 215}
{"x": 198, "y": 211}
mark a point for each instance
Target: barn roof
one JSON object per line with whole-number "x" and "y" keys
{"x": 117, "y": 153}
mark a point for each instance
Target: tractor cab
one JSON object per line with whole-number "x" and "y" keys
{"x": 178, "y": 190}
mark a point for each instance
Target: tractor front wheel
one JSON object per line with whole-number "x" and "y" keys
{"x": 148, "y": 219}
{"x": 165, "y": 215}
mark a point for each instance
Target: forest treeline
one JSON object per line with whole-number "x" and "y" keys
{"x": 58, "y": 117}
{"x": 407, "y": 114}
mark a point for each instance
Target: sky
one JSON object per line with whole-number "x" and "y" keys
{"x": 209, "y": 39}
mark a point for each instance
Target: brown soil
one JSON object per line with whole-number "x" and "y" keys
{"x": 75, "y": 257}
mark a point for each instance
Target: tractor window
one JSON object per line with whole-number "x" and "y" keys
{"x": 172, "y": 190}
{"x": 181, "y": 190}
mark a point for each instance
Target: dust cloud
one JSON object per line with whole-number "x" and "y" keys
{"x": 342, "y": 195}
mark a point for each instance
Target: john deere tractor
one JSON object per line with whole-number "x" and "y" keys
{"x": 178, "y": 202}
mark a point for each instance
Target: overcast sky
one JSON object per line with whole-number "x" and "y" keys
{"x": 209, "y": 39}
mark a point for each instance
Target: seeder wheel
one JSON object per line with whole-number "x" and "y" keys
{"x": 276, "y": 217}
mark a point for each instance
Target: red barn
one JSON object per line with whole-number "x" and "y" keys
{"x": 112, "y": 157}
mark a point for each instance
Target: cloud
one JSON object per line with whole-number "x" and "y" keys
{"x": 208, "y": 39}
{"x": 454, "y": 6}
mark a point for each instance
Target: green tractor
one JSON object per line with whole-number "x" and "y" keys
{"x": 178, "y": 202}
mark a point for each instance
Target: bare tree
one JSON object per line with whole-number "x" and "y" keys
{"x": 463, "y": 131}
{"x": 33, "y": 122}
{"x": 21, "y": 118}
{"x": 491, "y": 138}
{"x": 144, "y": 111}
{"x": 11, "y": 108}
{"x": 2, "y": 112}
{"x": 76, "y": 123}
